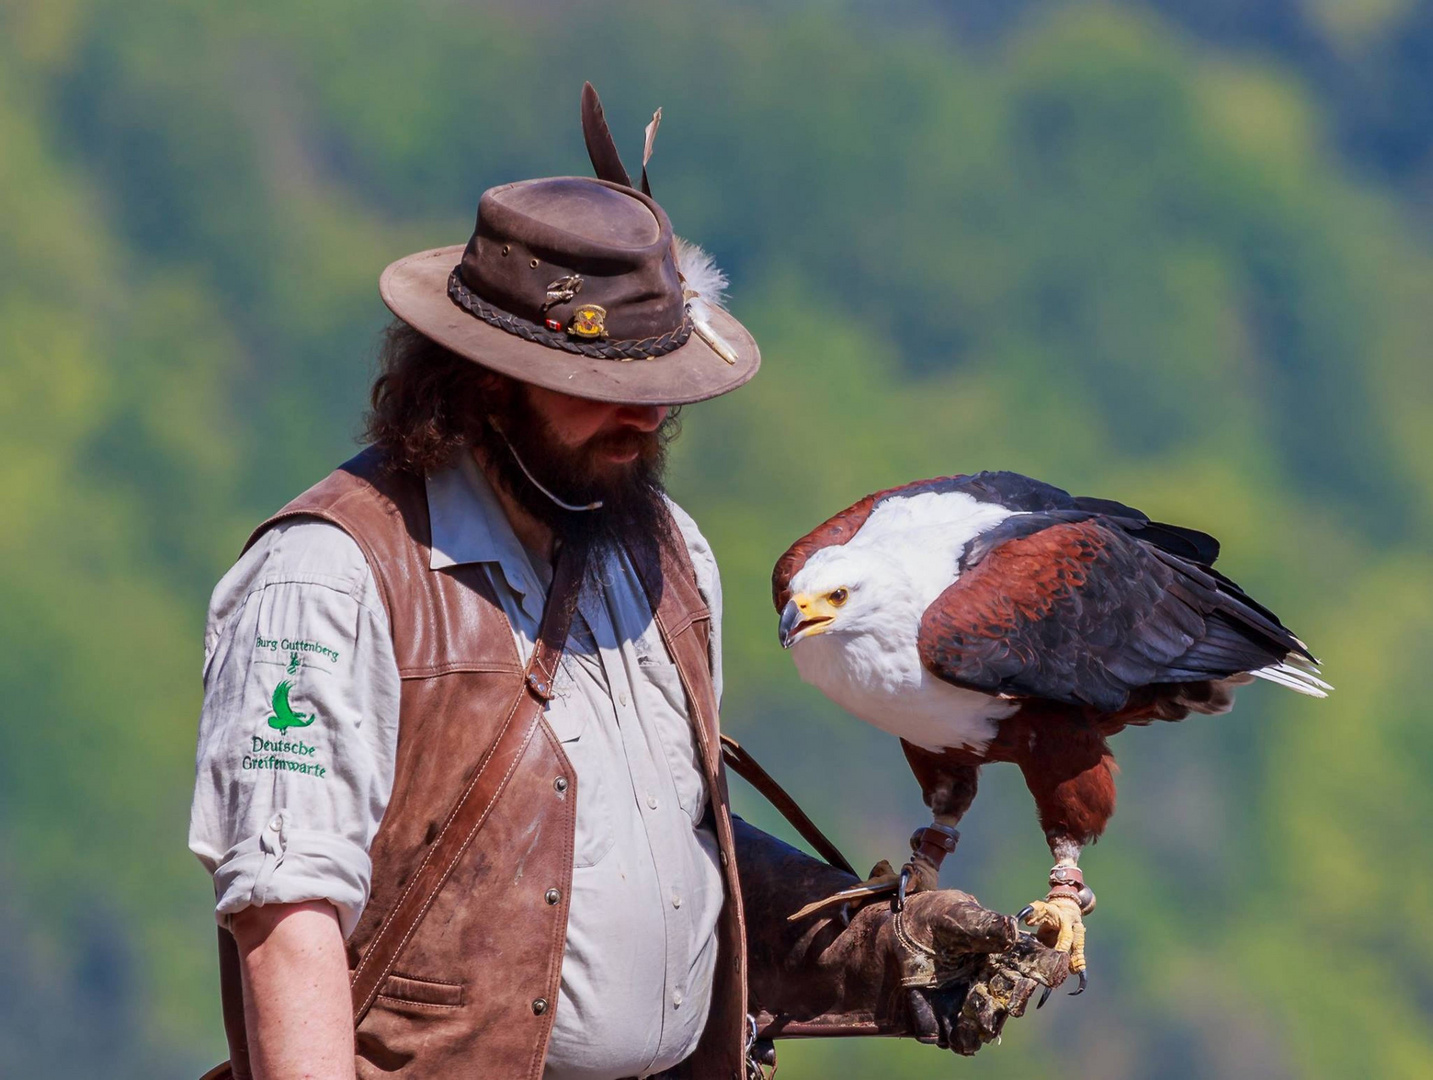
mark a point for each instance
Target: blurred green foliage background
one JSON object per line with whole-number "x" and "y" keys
{"x": 1175, "y": 252}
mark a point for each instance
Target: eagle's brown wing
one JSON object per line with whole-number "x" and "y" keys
{"x": 1070, "y": 607}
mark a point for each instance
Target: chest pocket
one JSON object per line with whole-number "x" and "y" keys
{"x": 663, "y": 700}
{"x": 570, "y": 715}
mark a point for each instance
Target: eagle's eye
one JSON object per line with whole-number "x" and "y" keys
{"x": 836, "y": 598}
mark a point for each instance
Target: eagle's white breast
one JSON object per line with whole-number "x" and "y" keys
{"x": 905, "y": 555}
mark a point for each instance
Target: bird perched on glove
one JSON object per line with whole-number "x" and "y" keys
{"x": 997, "y": 618}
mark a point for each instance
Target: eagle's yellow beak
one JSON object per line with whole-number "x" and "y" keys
{"x": 804, "y": 616}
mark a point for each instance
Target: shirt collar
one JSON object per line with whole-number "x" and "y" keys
{"x": 469, "y": 525}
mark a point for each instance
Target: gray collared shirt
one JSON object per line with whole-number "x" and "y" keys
{"x": 291, "y": 787}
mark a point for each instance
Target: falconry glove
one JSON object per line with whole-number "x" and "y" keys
{"x": 967, "y": 969}
{"x": 943, "y": 970}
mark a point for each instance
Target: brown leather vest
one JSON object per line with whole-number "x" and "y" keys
{"x": 473, "y": 992}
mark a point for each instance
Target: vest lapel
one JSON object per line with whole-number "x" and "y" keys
{"x": 684, "y": 621}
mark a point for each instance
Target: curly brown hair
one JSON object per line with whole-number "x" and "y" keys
{"x": 428, "y": 401}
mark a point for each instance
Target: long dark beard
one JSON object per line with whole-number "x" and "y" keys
{"x": 633, "y": 514}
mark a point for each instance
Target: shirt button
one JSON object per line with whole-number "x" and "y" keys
{"x": 539, "y": 1006}
{"x": 622, "y": 697}
{"x": 676, "y": 899}
{"x": 277, "y": 823}
{"x": 676, "y": 999}
{"x": 651, "y": 801}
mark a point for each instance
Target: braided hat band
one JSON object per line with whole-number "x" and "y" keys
{"x": 621, "y": 350}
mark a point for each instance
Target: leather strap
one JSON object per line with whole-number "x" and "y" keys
{"x": 739, "y": 761}
{"x": 488, "y": 781}
{"x": 778, "y": 1028}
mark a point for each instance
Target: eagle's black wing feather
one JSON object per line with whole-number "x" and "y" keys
{"x": 1080, "y": 607}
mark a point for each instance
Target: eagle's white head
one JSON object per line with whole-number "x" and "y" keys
{"x": 852, "y": 625}
{"x": 848, "y": 591}
{"x": 882, "y": 580}
{"x": 853, "y": 620}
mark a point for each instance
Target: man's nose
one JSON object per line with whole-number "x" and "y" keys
{"x": 643, "y": 417}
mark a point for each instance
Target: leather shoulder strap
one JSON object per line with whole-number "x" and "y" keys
{"x": 674, "y": 562}
{"x": 487, "y": 783}
{"x": 739, "y": 761}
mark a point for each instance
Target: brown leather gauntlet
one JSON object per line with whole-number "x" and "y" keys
{"x": 945, "y": 970}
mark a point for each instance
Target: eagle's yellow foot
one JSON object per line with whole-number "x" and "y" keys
{"x": 1058, "y": 921}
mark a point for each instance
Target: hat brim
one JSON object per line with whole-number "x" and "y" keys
{"x": 415, "y": 288}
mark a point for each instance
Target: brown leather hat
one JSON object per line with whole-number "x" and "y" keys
{"x": 578, "y": 285}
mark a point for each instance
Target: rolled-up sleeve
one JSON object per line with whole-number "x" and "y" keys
{"x": 299, "y": 727}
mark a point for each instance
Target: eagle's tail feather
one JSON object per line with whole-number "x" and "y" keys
{"x": 1297, "y": 674}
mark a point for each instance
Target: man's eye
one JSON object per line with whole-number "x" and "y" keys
{"x": 837, "y": 598}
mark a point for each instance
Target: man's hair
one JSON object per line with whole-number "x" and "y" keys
{"x": 427, "y": 401}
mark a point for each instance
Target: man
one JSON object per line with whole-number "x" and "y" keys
{"x": 459, "y": 779}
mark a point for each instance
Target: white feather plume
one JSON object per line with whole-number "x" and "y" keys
{"x": 1297, "y": 674}
{"x": 702, "y": 280}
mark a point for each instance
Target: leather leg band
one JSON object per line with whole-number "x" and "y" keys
{"x": 1070, "y": 881}
{"x": 934, "y": 842}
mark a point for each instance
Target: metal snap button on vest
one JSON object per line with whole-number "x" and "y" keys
{"x": 539, "y": 1006}
{"x": 560, "y": 784}
{"x": 552, "y": 896}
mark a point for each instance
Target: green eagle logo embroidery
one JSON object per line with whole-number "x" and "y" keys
{"x": 284, "y": 716}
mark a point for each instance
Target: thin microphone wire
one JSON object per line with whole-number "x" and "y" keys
{"x": 537, "y": 484}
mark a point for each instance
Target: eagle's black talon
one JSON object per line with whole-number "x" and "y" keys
{"x": 1025, "y": 912}
{"x": 1081, "y": 988}
{"x": 902, "y": 886}
{"x": 1044, "y": 997}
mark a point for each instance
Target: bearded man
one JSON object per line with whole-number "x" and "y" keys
{"x": 460, "y": 784}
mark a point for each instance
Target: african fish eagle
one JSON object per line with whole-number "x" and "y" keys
{"x": 993, "y": 617}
